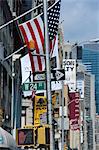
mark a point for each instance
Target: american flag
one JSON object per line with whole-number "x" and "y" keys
{"x": 33, "y": 30}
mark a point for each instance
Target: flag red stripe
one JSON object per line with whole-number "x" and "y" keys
{"x": 27, "y": 42}
{"x": 24, "y": 35}
{"x": 40, "y": 32}
{"x": 36, "y": 45}
{"x": 51, "y": 46}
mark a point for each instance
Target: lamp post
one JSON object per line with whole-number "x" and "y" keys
{"x": 48, "y": 74}
{"x": 13, "y": 120}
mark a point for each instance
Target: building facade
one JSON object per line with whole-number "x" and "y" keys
{"x": 90, "y": 55}
{"x": 10, "y": 41}
{"x": 85, "y": 85}
{"x": 97, "y": 131}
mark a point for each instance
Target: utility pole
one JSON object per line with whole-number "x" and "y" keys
{"x": 62, "y": 121}
{"x": 12, "y": 99}
{"x": 49, "y": 97}
{"x": 13, "y": 120}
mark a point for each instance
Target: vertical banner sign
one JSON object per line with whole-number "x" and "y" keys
{"x": 40, "y": 110}
{"x": 25, "y": 68}
{"x": 74, "y": 111}
{"x": 26, "y": 71}
{"x": 56, "y": 85}
{"x": 70, "y": 73}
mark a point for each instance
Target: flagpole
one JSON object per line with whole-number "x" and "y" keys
{"x": 11, "y": 21}
{"x": 14, "y": 53}
{"x": 48, "y": 73}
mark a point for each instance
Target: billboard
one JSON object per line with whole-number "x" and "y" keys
{"x": 74, "y": 110}
{"x": 70, "y": 73}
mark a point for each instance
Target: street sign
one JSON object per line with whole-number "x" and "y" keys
{"x": 56, "y": 75}
{"x": 34, "y": 86}
{"x": 39, "y": 76}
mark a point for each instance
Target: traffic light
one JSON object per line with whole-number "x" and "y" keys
{"x": 25, "y": 137}
{"x": 43, "y": 135}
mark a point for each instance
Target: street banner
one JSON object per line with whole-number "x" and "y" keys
{"x": 74, "y": 110}
{"x": 70, "y": 73}
{"x": 26, "y": 72}
{"x": 56, "y": 85}
{"x": 25, "y": 68}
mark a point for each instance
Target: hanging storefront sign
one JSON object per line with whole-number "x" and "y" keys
{"x": 70, "y": 73}
{"x": 74, "y": 110}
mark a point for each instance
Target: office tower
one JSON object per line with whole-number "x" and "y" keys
{"x": 86, "y": 87}
{"x": 90, "y": 55}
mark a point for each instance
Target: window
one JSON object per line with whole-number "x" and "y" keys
{"x": 79, "y": 52}
{"x": 65, "y": 55}
{"x": 70, "y": 55}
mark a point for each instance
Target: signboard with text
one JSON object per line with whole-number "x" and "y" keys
{"x": 69, "y": 66}
{"x": 74, "y": 110}
{"x": 40, "y": 110}
{"x": 56, "y": 75}
{"x": 34, "y": 86}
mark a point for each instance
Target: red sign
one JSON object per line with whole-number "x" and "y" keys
{"x": 74, "y": 111}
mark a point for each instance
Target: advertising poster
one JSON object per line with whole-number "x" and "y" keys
{"x": 40, "y": 110}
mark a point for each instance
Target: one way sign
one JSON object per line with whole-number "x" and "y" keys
{"x": 57, "y": 75}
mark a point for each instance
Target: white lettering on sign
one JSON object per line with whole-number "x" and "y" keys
{"x": 69, "y": 68}
{"x": 68, "y": 62}
{"x": 33, "y": 87}
{"x": 39, "y": 77}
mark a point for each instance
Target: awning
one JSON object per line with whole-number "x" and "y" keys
{"x": 6, "y": 140}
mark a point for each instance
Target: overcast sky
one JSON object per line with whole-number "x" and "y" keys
{"x": 81, "y": 19}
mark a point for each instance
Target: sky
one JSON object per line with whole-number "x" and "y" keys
{"x": 80, "y": 19}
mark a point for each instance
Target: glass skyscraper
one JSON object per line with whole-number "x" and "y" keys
{"x": 90, "y": 57}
